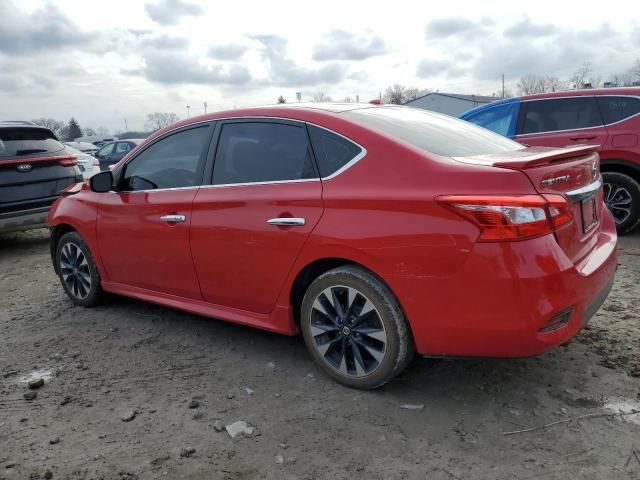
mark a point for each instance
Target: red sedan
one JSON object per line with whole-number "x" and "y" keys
{"x": 376, "y": 231}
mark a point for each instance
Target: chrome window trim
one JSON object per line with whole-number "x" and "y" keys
{"x": 581, "y": 128}
{"x": 348, "y": 165}
{"x": 584, "y": 192}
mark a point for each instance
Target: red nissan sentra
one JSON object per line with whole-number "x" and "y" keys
{"x": 376, "y": 231}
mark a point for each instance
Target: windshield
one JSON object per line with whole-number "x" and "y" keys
{"x": 17, "y": 141}
{"x": 433, "y": 132}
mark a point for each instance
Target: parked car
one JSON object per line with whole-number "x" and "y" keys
{"x": 34, "y": 168}
{"x": 111, "y": 153}
{"x": 609, "y": 118}
{"x": 84, "y": 147}
{"x": 376, "y": 231}
{"x": 87, "y": 164}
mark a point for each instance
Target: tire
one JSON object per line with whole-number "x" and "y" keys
{"x": 622, "y": 197}
{"x": 359, "y": 350}
{"x": 77, "y": 270}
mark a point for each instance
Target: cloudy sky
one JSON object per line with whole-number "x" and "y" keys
{"x": 103, "y": 61}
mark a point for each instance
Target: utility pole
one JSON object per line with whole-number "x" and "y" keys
{"x": 503, "y": 85}
{"x": 188, "y": 108}
{"x": 205, "y": 107}
{"x": 126, "y": 128}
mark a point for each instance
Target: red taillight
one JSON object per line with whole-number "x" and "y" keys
{"x": 67, "y": 161}
{"x": 510, "y": 217}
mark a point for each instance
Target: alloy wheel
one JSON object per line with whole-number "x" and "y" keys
{"x": 347, "y": 331}
{"x": 74, "y": 269}
{"x": 619, "y": 201}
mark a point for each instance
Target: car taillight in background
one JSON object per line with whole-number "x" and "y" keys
{"x": 511, "y": 217}
{"x": 67, "y": 160}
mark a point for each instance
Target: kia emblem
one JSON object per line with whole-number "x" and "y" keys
{"x": 24, "y": 167}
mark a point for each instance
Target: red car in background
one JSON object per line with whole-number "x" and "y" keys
{"x": 376, "y": 231}
{"x": 608, "y": 118}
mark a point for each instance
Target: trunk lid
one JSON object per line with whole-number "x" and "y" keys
{"x": 573, "y": 172}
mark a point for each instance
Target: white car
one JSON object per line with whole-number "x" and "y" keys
{"x": 87, "y": 164}
{"x": 84, "y": 147}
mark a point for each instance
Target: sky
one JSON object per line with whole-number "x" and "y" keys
{"x": 106, "y": 61}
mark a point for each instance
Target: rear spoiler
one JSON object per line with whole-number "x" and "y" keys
{"x": 529, "y": 157}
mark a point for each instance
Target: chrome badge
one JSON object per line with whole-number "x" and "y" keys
{"x": 549, "y": 182}
{"x": 24, "y": 167}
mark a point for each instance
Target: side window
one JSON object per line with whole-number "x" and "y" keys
{"x": 615, "y": 109}
{"x": 106, "y": 150}
{"x": 250, "y": 152}
{"x": 173, "y": 162}
{"x": 497, "y": 119}
{"x": 332, "y": 151}
{"x": 559, "y": 114}
{"x": 122, "y": 147}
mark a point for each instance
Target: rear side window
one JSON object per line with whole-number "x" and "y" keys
{"x": 332, "y": 151}
{"x": 497, "y": 119}
{"x": 251, "y": 152}
{"x": 433, "y": 132}
{"x": 173, "y": 162}
{"x": 27, "y": 141}
{"x": 615, "y": 109}
{"x": 559, "y": 114}
{"x": 122, "y": 147}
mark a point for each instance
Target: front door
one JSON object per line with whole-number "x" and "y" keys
{"x": 249, "y": 226}
{"x": 143, "y": 227}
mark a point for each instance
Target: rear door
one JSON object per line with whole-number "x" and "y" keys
{"x": 250, "y": 224}
{"x": 561, "y": 122}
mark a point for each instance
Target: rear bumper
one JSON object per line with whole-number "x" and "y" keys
{"x": 506, "y": 299}
{"x": 23, "y": 220}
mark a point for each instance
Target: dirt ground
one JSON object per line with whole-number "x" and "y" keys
{"x": 129, "y": 358}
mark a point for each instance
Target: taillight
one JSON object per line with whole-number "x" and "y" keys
{"x": 510, "y": 217}
{"x": 67, "y": 161}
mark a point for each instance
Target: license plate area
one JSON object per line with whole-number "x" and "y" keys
{"x": 589, "y": 214}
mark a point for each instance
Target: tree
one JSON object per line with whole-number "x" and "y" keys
{"x": 158, "y": 120}
{"x": 400, "y": 94}
{"x": 579, "y": 77}
{"x": 321, "y": 97}
{"x": 102, "y": 131}
{"x": 89, "y": 132}
{"x": 530, "y": 84}
{"x": 72, "y": 130}
{"x": 54, "y": 125}
{"x": 281, "y": 99}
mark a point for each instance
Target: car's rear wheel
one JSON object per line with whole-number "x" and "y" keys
{"x": 355, "y": 329}
{"x": 77, "y": 270}
{"x": 622, "y": 197}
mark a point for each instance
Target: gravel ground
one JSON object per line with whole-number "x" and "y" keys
{"x": 133, "y": 390}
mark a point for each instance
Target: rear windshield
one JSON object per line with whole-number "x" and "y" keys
{"x": 433, "y": 132}
{"x": 18, "y": 141}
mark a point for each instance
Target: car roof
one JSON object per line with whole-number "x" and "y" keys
{"x": 14, "y": 124}
{"x": 585, "y": 92}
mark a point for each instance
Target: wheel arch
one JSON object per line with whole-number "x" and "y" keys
{"x": 56, "y": 233}
{"x": 621, "y": 166}
{"x": 317, "y": 267}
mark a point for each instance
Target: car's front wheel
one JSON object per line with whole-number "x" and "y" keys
{"x": 77, "y": 270}
{"x": 622, "y": 197}
{"x": 355, "y": 329}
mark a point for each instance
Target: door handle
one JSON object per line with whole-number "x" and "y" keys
{"x": 582, "y": 138}
{"x": 287, "y": 221}
{"x": 173, "y": 218}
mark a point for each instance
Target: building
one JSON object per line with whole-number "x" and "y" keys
{"x": 449, "y": 103}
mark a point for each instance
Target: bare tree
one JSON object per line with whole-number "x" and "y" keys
{"x": 530, "y": 84}
{"x": 580, "y": 76}
{"x": 635, "y": 70}
{"x": 554, "y": 84}
{"x": 102, "y": 131}
{"x": 348, "y": 99}
{"x": 89, "y": 131}
{"x": 321, "y": 97}
{"x": 158, "y": 120}
{"x": 281, "y": 99}
{"x": 399, "y": 94}
{"x": 54, "y": 125}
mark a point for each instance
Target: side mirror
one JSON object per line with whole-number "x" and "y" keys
{"x": 102, "y": 182}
